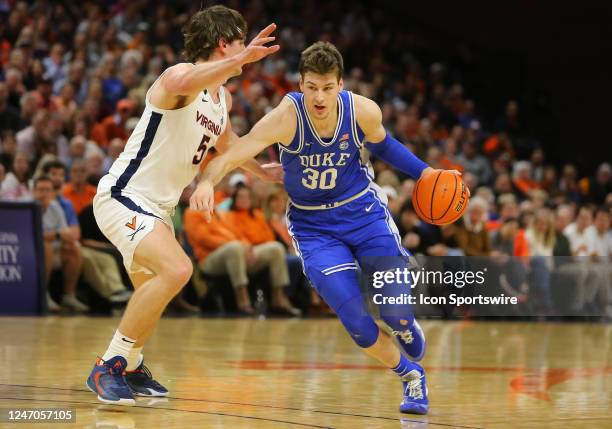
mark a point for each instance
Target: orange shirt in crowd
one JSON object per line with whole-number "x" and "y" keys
{"x": 205, "y": 237}
{"x": 447, "y": 164}
{"x": 82, "y": 199}
{"x": 525, "y": 186}
{"x": 254, "y": 227}
{"x": 103, "y": 132}
{"x": 521, "y": 246}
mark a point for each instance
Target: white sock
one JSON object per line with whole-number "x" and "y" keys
{"x": 120, "y": 345}
{"x": 134, "y": 359}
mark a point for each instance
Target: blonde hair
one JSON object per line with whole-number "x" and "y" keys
{"x": 549, "y": 237}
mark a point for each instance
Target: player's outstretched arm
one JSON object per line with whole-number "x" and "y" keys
{"x": 385, "y": 146}
{"x": 187, "y": 79}
{"x": 278, "y": 126}
{"x": 268, "y": 172}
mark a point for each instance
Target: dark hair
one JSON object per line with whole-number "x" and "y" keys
{"x": 587, "y": 207}
{"x": 42, "y": 179}
{"x": 238, "y": 188}
{"x": 207, "y": 27}
{"x": 53, "y": 164}
{"x": 321, "y": 58}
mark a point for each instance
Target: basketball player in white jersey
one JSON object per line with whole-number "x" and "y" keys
{"x": 186, "y": 114}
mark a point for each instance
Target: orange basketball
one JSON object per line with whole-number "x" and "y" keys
{"x": 440, "y": 198}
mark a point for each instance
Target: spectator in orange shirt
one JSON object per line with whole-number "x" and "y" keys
{"x": 78, "y": 191}
{"x": 113, "y": 126}
{"x": 251, "y": 224}
{"x": 221, "y": 251}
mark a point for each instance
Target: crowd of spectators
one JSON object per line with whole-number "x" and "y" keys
{"x": 72, "y": 82}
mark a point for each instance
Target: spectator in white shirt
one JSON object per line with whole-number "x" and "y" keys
{"x": 601, "y": 236}
{"x": 583, "y": 245}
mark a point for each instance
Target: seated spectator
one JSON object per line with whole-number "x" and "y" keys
{"x": 219, "y": 251}
{"x": 470, "y": 180}
{"x": 94, "y": 168}
{"x": 568, "y": 184}
{"x": 66, "y": 106}
{"x": 115, "y": 148}
{"x": 61, "y": 246}
{"x": 15, "y": 186}
{"x": 471, "y": 234}
{"x": 601, "y": 236}
{"x": 275, "y": 209}
{"x": 78, "y": 191}
{"x": 503, "y": 185}
{"x": 475, "y": 163}
{"x": 31, "y": 139}
{"x": 448, "y": 161}
{"x": 100, "y": 270}
{"x": 27, "y": 108}
{"x": 9, "y": 115}
{"x": 250, "y": 224}
{"x": 44, "y": 94}
{"x": 512, "y": 272}
{"x": 15, "y": 86}
{"x": 523, "y": 180}
{"x": 81, "y": 148}
{"x": 596, "y": 189}
{"x": 113, "y": 126}
{"x": 503, "y": 239}
{"x": 541, "y": 237}
{"x": 582, "y": 245}
{"x": 537, "y": 165}
{"x": 8, "y": 148}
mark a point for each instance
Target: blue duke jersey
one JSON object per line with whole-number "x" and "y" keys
{"x": 322, "y": 171}
{"x": 339, "y": 222}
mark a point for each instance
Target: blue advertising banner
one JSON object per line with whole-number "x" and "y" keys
{"x": 21, "y": 259}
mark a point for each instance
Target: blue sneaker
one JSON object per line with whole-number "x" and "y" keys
{"x": 415, "y": 392}
{"x": 411, "y": 341}
{"x": 107, "y": 381}
{"x": 142, "y": 383}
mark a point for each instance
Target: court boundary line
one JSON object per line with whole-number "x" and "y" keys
{"x": 338, "y": 413}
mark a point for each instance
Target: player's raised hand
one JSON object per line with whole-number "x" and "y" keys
{"x": 257, "y": 49}
{"x": 203, "y": 199}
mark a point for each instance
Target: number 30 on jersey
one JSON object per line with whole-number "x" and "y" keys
{"x": 325, "y": 179}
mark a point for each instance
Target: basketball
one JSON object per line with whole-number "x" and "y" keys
{"x": 440, "y": 198}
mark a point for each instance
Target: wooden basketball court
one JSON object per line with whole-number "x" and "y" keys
{"x": 243, "y": 373}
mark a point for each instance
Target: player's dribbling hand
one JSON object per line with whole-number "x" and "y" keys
{"x": 257, "y": 49}
{"x": 430, "y": 170}
{"x": 203, "y": 199}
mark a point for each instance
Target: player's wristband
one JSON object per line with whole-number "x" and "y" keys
{"x": 393, "y": 152}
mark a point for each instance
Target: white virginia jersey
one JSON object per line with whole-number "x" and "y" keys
{"x": 164, "y": 152}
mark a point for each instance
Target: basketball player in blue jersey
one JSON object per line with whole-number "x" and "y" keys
{"x": 186, "y": 113}
{"x": 336, "y": 215}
